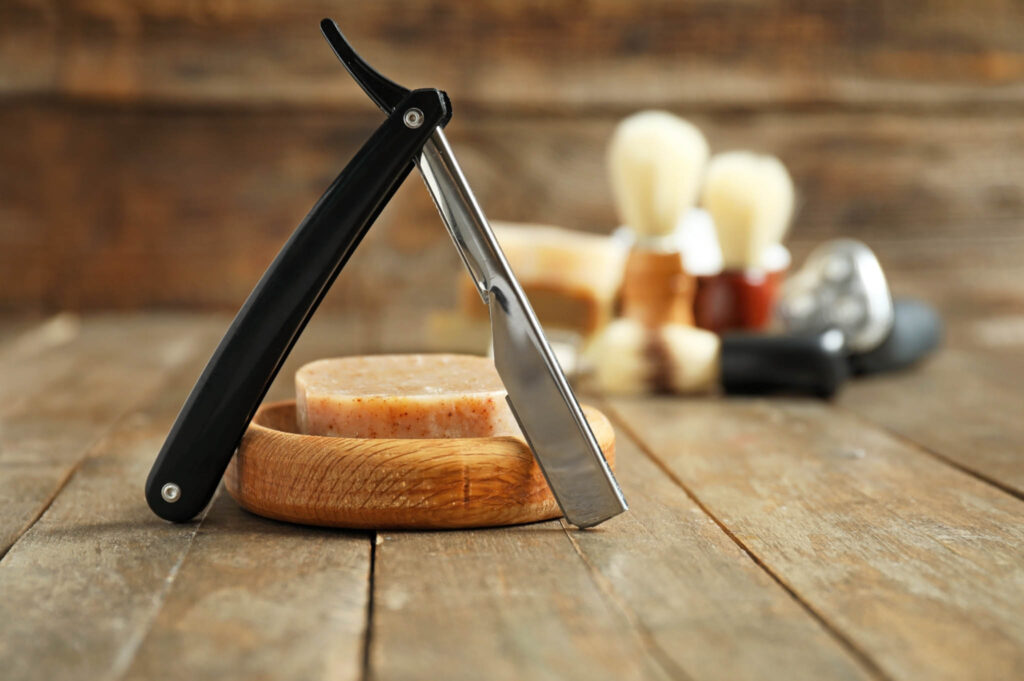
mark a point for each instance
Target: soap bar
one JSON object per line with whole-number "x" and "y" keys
{"x": 403, "y": 396}
{"x": 571, "y": 278}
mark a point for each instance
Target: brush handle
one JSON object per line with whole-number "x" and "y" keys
{"x": 799, "y": 364}
{"x": 211, "y": 424}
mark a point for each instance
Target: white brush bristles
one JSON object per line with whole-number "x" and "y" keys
{"x": 657, "y": 162}
{"x": 751, "y": 198}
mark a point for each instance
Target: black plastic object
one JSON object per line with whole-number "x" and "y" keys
{"x": 916, "y": 332}
{"x": 227, "y": 394}
{"x": 385, "y": 93}
{"x": 813, "y": 364}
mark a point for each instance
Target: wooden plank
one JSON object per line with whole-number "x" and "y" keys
{"x": 702, "y": 602}
{"x": 256, "y": 599}
{"x": 512, "y": 603}
{"x": 13, "y": 325}
{"x": 29, "y": 51}
{"x": 36, "y": 356}
{"x": 916, "y": 563}
{"x": 964, "y": 403}
{"x": 69, "y": 588}
{"x": 961, "y": 407}
{"x": 981, "y": 299}
{"x": 65, "y": 384}
{"x": 190, "y": 207}
{"x": 100, "y": 587}
{"x": 595, "y": 53}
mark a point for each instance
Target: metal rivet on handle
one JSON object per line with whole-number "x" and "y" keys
{"x": 170, "y": 492}
{"x": 413, "y": 118}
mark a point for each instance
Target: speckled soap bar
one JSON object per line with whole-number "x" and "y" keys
{"x": 403, "y": 396}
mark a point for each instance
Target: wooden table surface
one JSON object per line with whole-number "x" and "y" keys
{"x": 880, "y": 536}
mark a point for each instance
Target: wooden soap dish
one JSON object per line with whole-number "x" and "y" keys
{"x": 391, "y": 483}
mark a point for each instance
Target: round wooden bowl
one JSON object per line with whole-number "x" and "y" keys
{"x": 391, "y": 483}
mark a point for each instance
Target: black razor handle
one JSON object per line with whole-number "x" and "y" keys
{"x": 225, "y": 398}
{"x": 811, "y": 364}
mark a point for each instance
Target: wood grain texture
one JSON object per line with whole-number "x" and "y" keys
{"x": 187, "y": 129}
{"x": 80, "y": 587}
{"x": 701, "y": 602}
{"x": 767, "y": 539}
{"x": 180, "y": 192}
{"x": 963, "y": 404}
{"x": 509, "y": 603}
{"x": 380, "y": 483}
{"x": 256, "y": 600}
{"x": 918, "y": 564}
{"x": 65, "y": 383}
{"x": 82, "y": 594}
{"x": 960, "y": 407}
{"x": 977, "y": 286}
{"x": 496, "y": 53}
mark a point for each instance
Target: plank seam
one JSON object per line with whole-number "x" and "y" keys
{"x": 125, "y": 657}
{"x": 89, "y": 450}
{"x": 61, "y": 484}
{"x": 658, "y": 655}
{"x": 370, "y": 588}
{"x": 855, "y": 651}
{"x": 935, "y": 454}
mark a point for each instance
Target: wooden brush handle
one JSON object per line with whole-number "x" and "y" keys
{"x": 656, "y": 290}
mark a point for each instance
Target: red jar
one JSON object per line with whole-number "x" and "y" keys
{"x": 737, "y": 300}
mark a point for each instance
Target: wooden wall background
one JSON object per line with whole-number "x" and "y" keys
{"x": 158, "y": 152}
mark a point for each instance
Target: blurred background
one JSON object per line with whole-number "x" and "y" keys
{"x": 157, "y": 153}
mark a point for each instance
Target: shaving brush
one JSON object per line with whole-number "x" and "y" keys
{"x": 750, "y": 198}
{"x": 656, "y": 162}
{"x": 628, "y": 358}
